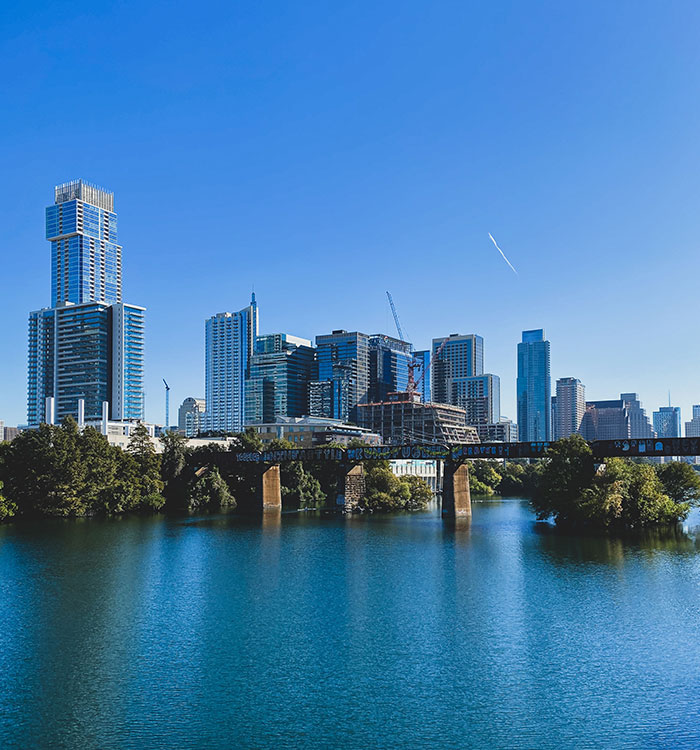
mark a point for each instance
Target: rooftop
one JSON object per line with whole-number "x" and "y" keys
{"x": 84, "y": 191}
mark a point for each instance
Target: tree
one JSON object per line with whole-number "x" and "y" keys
{"x": 680, "y": 482}
{"x": 483, "y": 477}
{"x": 210, "y": 491}
{"x": 148, "y": 463}
{"x": 420, "y": 493}
{"x": 383, "y": 490}
{"x": 7, "y": 508}
{"x": 173, "y": 468}
{"x": 565, "y": 472}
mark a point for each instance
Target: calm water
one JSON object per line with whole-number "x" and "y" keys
{"x": 346, "y": 633}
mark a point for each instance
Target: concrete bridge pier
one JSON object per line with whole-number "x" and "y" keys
{"x": 456, "y": 495}
{"x": 271, "y": 490}
{"x": 351, "y": 486}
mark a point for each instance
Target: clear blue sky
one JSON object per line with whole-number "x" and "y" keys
{"x": 326, "y": 152}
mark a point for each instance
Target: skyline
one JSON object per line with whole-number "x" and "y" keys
{"x": 323, "y": 186}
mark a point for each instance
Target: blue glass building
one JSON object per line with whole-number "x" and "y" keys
{"x": 423, "y": 374}
{"x": 534, "y": 388}
{"x": 280, "y": 371}
{"x": 667, "y": 422}
{"x": 389, "y": 359}
{"x": 89, "y": 345}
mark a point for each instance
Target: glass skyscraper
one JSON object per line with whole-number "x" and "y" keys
{"x": 280, "y": 371}
{"x": 534, "y": 388}
{"x": 389, "y": 359}
{"x": 89, "y": 345}
{"x": 667, "y": 422}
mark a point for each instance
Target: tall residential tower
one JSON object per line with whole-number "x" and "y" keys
{"x": 87, "y": 349}
{"x": 534, "y": 387}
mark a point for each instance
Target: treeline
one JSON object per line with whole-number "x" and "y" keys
{"x": 63, "y": 471}
{"x": 576, "y": 491}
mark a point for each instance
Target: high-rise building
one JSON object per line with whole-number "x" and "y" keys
{"x": 229, "y": 342}
{"x": 606, "y": 420}
{"x": 534, "y": 388}
{"x": 570, "y": 407}
{"x": 389, "y": 359}
{"x": 503, "y": 431}
{"x": 88, "y": 348}
{"x": 280, "y": 371}
{"x": 479, "y": 396}
{"x": 692, "y": 428}
{"x": 190, "y": 416}
{"x": 667, "y": 422}
{"x": 462, "y": 356}
{"x": 640, "y": 427}
{"x": 343, "y": 375}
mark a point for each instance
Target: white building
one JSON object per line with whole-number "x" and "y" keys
{"x": 230, "y": 339}
{"x": 427, "y": 470}
{"x": 570, "y": 407}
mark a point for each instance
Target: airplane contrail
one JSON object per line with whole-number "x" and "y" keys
{"x": 503, "y": 255}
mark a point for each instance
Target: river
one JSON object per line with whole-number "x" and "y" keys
{"x": 331, "y": 632}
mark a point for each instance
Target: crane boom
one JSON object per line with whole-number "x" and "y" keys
{"x": 396, "y": 316}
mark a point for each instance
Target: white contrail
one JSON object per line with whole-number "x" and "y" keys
{"x": 502, "y": 253}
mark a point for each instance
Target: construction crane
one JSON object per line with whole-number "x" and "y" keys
{"x": 413, "y": 364}
{"x": 396, "y": 316}
{"x": 167, "y": 405}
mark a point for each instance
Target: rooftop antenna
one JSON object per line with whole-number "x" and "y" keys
{"x": 167, "y": 405}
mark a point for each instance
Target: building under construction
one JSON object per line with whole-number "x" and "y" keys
{"x": 403, "y": 418}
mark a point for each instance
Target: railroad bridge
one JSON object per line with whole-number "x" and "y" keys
{"x": 456, "y": 497}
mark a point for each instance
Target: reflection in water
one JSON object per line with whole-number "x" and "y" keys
{"x": 326, "y": 631}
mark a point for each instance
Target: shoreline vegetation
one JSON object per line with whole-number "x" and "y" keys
{"x": 59, "y": 471}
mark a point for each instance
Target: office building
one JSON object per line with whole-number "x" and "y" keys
{"x": 389, "y": 360}
{"x": 461, "y": 356}
{"x": 606, "y": 420}
{"x": 280, "y": 371}
{"x": 640, "y": 427}
{"x": 479, "y": 396}
{"x": 343, "y": 375}
{"x": 667, "y": 422}
{"x": 8, "y": 433}
{"x": 190, "y": 417}
{"x": 692, "y": 428}
{"x": 534, "y": 388}
{"x": 503, "y": 431}
{"x": 404, "y": 418}
{"x": 568, "y": 407}
{"x": 89, "y": 346}
{"x": 229, "y": 344}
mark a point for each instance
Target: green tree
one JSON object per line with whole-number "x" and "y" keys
{"x": 7, "y": 508}
{"x": 680, "y": 482}
{"x": 565, "y": 472}
{"x": 150, "y": 484}
{"x": 383, "y": 490}
{"x": 210, "y": 491}
{"x": 174, "y": 470}
{"x": 420, "y": 493}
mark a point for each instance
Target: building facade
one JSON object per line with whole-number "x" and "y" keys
{"x": 343, "y": 378}
{"x": 89, "y": 346}
{"x": 606, "y": 420}
{"x": 190, "y": 416}
{"x": 504, "y": 431}
{"x": 313, "y": 432}
{"x": 422, "y": 374}
{"x": 667, "y": 422}
{"x": 640, "y": 427}
{"x": 389, "y": 359}
{"x": 462, "y": 356}
{"x": 534, "y": 387}
{"x": 570, "y": 407}
{"x": 692, "y": 428}
{"x": 404, "y": 418}
{"x": 280, "y": 372}
{"x": 229, "y": 344}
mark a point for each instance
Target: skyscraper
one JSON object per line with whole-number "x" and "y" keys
{"x": 280, "y": 370}
{"x": 692, "y": 428}
{"x": 667, "y": 422}
{"x": 480, "y": 397}
{"x": 343, "y": 375}
{"x": 389, "y": 359}
{"x": 89, "y": 346}
{"x": 190, "y": 416}
{"x": 534, "y": 388}
{"x": 570, "y": 407}
{"x": 423, "y": 374}
{"x": 462, "y": 356}
{"x": 640, "y": 427}
{"x": 229, "y": 342}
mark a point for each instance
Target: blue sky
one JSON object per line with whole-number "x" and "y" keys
{"x": 327, "y": 152}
